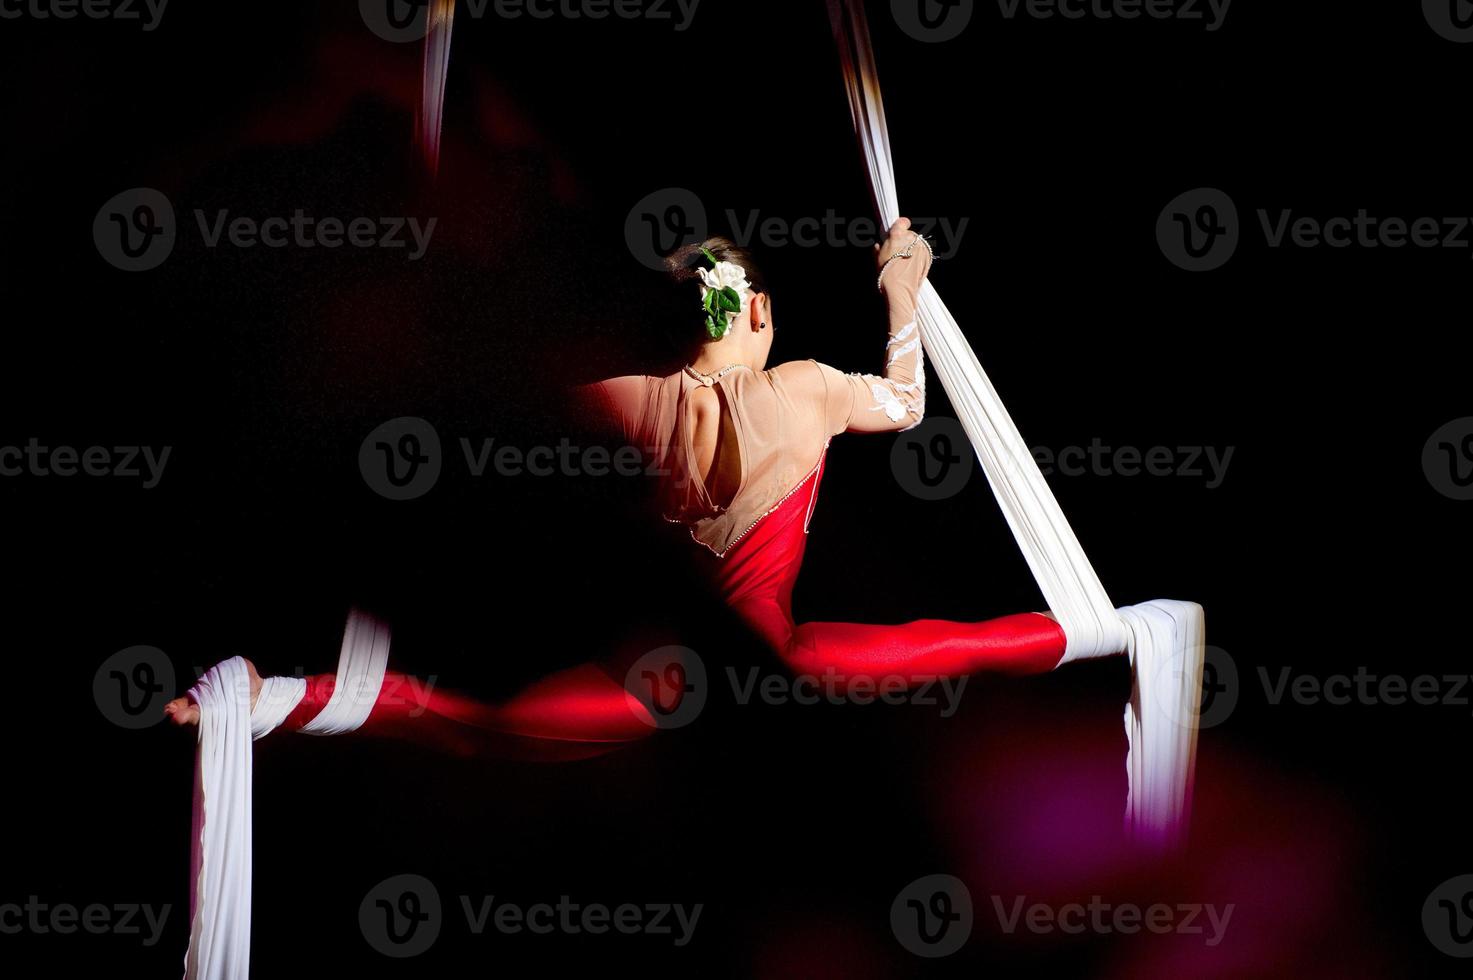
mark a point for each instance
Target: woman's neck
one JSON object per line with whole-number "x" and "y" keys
{"x": 714, "y": 358}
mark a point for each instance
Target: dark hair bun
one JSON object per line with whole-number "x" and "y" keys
{"x": 683, "y": 264}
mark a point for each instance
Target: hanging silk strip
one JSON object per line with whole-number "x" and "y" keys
{"x": 1164, "y": 639}
{"x": 220, "y": 853}
{"x": 429, "y": 121}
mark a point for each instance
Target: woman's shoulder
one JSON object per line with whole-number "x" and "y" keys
{"x": 803, "y": 374}
{"x": 807, "y": 377}
{"x": 625, "y": 403}
{"x": 623, "y": 390}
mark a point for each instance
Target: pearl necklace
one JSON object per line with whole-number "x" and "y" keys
{"x": 709, "y": 380}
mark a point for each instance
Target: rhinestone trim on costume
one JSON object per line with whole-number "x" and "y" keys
{"x": 782, "y": 500}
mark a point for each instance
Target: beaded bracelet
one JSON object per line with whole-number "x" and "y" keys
{"x": 909, "y": 251}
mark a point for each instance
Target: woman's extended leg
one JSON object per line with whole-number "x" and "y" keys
{"x": 575, "y": 713}
{"x": 1026, "y": 643}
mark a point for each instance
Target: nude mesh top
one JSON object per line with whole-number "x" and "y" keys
{"x": 783, "y": 419}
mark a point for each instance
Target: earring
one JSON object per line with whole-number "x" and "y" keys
{"x": 762, "y": 325}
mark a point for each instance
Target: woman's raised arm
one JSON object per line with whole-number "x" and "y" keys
{"x": 894, "y": 400}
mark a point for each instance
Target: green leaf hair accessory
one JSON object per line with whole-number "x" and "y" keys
{"x": 723, "y": 289}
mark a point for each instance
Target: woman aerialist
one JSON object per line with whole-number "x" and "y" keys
{"x": 742, "y": 447}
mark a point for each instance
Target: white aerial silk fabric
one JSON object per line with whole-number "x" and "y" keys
{"x": 220, "y": 853}
{"x": 429, "y": 123}
{"x": 1164, "y": 639}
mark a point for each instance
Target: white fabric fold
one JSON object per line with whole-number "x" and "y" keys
{"x": 220, "y": 852}
{"x": 361, "y": 665}
{"x": 1159, "y": 766}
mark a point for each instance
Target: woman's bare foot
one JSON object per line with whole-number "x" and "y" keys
{"x": 183, "y": 711}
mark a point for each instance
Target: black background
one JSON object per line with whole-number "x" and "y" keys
{"x": 1325, "y": 548}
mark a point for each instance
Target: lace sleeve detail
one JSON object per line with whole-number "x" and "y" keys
{"x": 890, "y": 402}
{"x": 901, "y": 393}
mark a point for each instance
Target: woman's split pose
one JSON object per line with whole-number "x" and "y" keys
{"x": 742, "y": 448}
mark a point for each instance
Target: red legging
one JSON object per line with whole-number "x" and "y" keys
{"x": 756, "y": 578}
{"x": 573, "y": 714}
{"x": 585, "y": 710}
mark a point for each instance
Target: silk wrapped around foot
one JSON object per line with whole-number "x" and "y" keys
{"x": 1164, "y": 639}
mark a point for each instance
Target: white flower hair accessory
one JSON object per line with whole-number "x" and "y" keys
{"x": 724, "y": 286}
